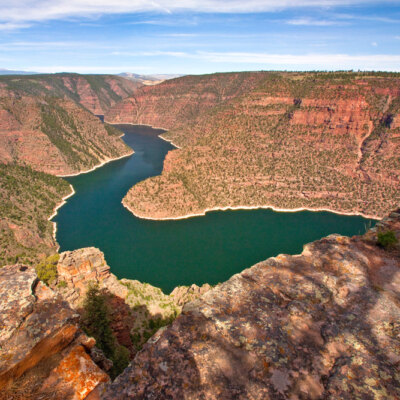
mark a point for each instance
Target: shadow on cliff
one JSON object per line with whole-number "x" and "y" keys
{"x": 314, "y": 344}
{"x": 319, "y": 326}
{"x": 317, "y": 343}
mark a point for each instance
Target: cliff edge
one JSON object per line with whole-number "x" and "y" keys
{"x": 322, "y": 324}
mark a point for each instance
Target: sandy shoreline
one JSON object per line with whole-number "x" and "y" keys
{"x": 130, "y": 123}
{"x": 151, "y": 126}
{"x": 63, "y": 200}
{"x": 56, "y": 208}
{"x": 97, "y": 166}
{"x": 169, "y": 141}
{"x": 276, "y": 209}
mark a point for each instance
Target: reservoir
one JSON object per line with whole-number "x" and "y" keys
{"x": 166, "y": 254}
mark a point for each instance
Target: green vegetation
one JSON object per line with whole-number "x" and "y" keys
{"x": 62, "y": 284}
{"x": 47, "y": 269}
{"x": 290, "y": 140}
{"x": 27, "y": 199}
{"x": 67, "y": 85}
{"x": 142, "y": 298}
{"x": 96, "y": 322}
{"x": 387, "y": 240}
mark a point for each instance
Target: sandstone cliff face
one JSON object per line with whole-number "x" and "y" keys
{"x": 319, "y": 141}
{"x": 320, "y": 325}
{"x": 43, "y": 353}
{"x": 47, "y": 121}
{"x": 178, "y": 100}
{"x": 137, "y": 309}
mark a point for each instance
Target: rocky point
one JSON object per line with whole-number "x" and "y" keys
{"x": 320, "y": 325}
{"x": 43, "y": 352}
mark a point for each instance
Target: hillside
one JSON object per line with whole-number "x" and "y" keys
{"x": 55, "y": 135}
{"x": 288, "y": 140}
{"x": 47, "y": 121}
{"x": 97, "y": 93}
{"x": 27, "y": 199}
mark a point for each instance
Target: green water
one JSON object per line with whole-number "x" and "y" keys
{"x": 169, "y": 253}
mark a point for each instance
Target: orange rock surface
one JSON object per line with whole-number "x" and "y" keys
{"x": 77, "y": 374}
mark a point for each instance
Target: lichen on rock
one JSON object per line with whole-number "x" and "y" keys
{"x": 322, "y": 324}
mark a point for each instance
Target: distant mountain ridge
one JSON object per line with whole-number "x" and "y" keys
{"x": 4, "y": 71}
{"x": 153, "y": 79}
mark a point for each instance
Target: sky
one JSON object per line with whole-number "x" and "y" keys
{"x": 198, "y": 36}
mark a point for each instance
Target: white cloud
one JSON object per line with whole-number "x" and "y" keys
{"x": 18, "y": 46}
{"x": 91, "y": 69}
{"x": 374, "y": 44}
{"x": 10, "y": 26}
{"x": 180, "y": 35}
{"x": 381, "y": 62}
{"x": 255, "y": 61}
{"x": 372, "y": 18}
{"x": 312, "y": 22}
{"x": 330, "y": 60}
{"x": 42, "y": 10}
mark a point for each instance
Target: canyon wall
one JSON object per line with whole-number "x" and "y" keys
{"x": 27, "y": 199}
{"x": 97, "y": 93}
{"x": 287, "y": 140}
{"x": 47, "y": 121}
{"x": 47, "y": 125}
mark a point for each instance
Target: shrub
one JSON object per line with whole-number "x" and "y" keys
{"x": 387, "y": 239}
{"x": 96, "y": 323}
{"x": 47, "y": 269}
{"x": 62, "y": 284}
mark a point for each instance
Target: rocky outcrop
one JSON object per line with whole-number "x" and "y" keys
{"x": 320, "y": 325}
{"x": 186, "y": 294}
{"x": 40, "y": 332}
{"x": 285, "y": 140}
{"x": 137, "y": 309}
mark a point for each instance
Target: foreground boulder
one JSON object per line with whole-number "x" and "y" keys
{"x": 320, "y": 325}
{"x": 39, "y": 332}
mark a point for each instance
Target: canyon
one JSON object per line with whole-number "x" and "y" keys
{"x": 47, "y": 124}
{"x": 270, "y": 139}
{"x": 320, "y": 324}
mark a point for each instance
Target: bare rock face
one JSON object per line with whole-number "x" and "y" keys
{"x": 78, "y": 268}
{"x": 137, "y": 308}
{"x": 78, "y": 372}
{"x": 186, "y": 294}
{"x": 320, "y": 325}
{"x": 39, "y": 330}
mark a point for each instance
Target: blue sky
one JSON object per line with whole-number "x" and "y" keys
{"x": 193, "y": 36}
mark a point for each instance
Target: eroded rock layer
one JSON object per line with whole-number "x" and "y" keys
{"x": 288, "y": 140}
{"x": 43, "y": 353}
{"x": 320, "y": 325}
